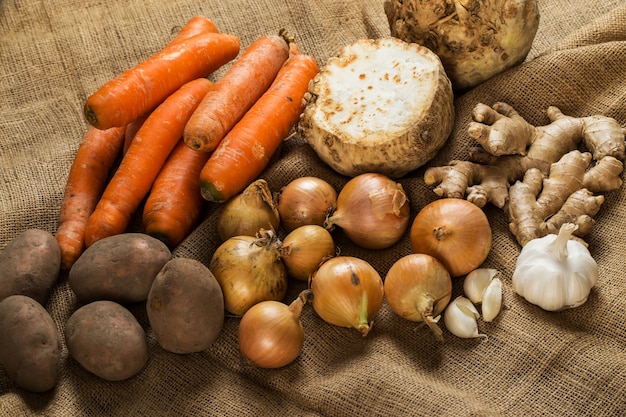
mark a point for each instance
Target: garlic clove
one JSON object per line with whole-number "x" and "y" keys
{"x": 578, "y": 290}
{"x": 460, "y": 318}
{"x": 476, "y": 283}
{"x": 492, "y": 300}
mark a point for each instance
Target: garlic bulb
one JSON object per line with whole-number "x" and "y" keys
{"x": 460, "y": 318}
{"x": 555, "y": 272}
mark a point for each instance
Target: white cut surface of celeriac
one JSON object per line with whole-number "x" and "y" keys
{"x": 378, "y": 92}
{"x": 379, "y": 106}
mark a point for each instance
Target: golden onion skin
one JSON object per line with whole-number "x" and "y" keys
{"x": 383, "y": 106}
{"x": 248, "y": 273}
{"x": 271, "y": 334}
{"x": 455, "y": 232}
{"x": 475, "y": 39}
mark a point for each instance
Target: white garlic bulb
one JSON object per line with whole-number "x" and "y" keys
{"x": 460, "y": 318}
{"x": 555, "y": 272}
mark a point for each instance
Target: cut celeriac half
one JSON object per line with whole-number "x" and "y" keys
{"x": 380, "y": 105}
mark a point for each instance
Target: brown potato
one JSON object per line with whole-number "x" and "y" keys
{"x": 30, "y": 265}
{"x": 185, "y": 306}
{"x": 118, "y": 268}
{"x": 107, "y": 340}
{"x": 30, "y": 345}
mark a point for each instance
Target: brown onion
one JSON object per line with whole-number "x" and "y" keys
{"x": 347, "y": 292}
{"x": 271, "y": 333}
{"x": 249, "y": 270}
{"x": 306, "y": 200}
{"x": 305, "y": 249}
{"x": 418, "y": 288}
{"x": 454, "y": 231}
{"x": 372, "y": 210}
{"x": 248, "y": 212}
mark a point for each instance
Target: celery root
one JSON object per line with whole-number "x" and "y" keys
{"x": 475, "y": 39}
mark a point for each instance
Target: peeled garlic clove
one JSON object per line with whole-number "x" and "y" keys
{"x": 492, "y": 300}
{"x": 477, "y": 282}
{"x": 460, "y": 318}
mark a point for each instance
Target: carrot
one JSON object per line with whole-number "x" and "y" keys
{"x": 131, "y": 130}
{"x": 141, "y": 88}
{"x": 247, "y": 148}
{"x": 142, "y": 162}
{"x": 194, "y": 26}
{"x": 87, "y": 178}
{"x": 174, "y": 205}
{"x": 235, "y": 92}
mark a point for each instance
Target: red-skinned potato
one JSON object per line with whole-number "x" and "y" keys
{"x": 29, "y": 344}
{"x": 118, "y": 268}
{"x": 30, "y": 265}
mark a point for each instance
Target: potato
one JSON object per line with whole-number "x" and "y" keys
{"x": 185, "y": 306}
{"x": 118, "y": 268}
{"x": 30, "y": 345}
{"x": 107, "y": 340}
{"x": 30, "y": 265}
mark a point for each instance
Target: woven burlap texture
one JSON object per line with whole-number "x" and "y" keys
{"x": 53, "y": 54}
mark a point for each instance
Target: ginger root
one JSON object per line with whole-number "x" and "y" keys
{"x": 537, "y": 174}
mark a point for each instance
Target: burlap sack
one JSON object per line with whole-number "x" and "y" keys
{"x": 53, "y": 54}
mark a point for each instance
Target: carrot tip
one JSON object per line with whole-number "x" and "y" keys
{"x": 211, "y": 193}
{"x": 91, "y": 116}
{"x": 286, "y": 36}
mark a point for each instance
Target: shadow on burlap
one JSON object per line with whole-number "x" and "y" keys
{"x": 54, "y": 54}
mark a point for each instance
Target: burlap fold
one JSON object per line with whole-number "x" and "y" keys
{"x": 570, "y": 363}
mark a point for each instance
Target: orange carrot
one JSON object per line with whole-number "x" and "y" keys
{"x": 141, "y": 88}
{"x": 142, "y": 162}
{"x": 131, "y": 130}
{"x": 194, "y": 26}
{"x": 88, "y": 176}
{"x": 235, "y": 92}
{"x": 247, "y": 148}
{"x": 174, "y": 205}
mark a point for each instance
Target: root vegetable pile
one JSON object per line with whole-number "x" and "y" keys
{"x": 377, "y": 111}
{"x": 180, "y": 144}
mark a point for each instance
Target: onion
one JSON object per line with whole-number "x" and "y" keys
{"x": 372, "y": 210}
{"x": 418, "y": 288}
{"x": 249, "y": 270}
{"x": 347, "y": 292}
{"x": 454, "y": 231}
{"x": 306, "y": 200}
{"x": 248, "y": 212}
{"x": 305, "y": 249}
{"x": 271, "y": 333}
